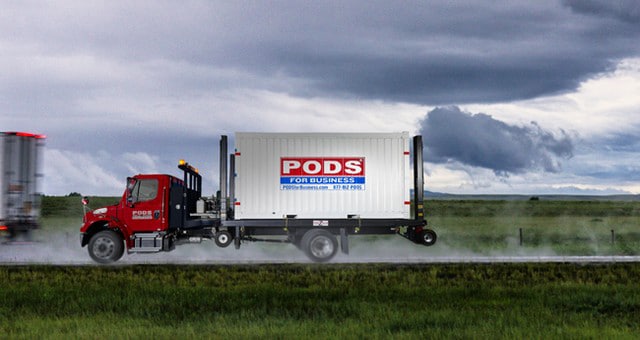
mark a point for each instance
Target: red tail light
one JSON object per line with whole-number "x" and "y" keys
{"x": 3, "y": 228}
{"x": 27, "y": 134}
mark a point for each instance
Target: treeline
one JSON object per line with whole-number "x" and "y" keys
{"x": 532, "y": 208}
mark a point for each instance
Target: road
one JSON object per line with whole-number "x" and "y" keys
{"x": 64, "y": 249}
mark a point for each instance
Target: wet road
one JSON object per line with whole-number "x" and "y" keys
{"x": 64, "y": 249}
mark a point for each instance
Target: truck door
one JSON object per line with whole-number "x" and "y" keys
{"x": 146, "y": 211}
{"x": 175, "y": 204}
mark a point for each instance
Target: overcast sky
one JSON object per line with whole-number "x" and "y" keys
{"x": 529, "y": 97}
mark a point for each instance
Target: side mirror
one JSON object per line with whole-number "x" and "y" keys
{"x": 85, "y": 205}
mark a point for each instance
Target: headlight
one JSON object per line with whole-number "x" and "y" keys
{"x": 100, "y": 211}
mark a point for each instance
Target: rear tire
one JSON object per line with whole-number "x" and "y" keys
{"x": 319, "y": 245}
{"x": 106, "y": 247}
{"x": 429, "y": 237}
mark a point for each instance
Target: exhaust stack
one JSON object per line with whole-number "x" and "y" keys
{"x": 223, "y": 177}
{"x": 418, "y": 179}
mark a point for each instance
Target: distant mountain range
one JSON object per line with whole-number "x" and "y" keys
{"x": 446, "y": 196}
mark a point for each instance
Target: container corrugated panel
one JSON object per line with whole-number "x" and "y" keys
{"x": 322, "y": 175}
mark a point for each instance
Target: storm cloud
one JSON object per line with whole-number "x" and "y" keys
{"x": 626, "y": 10}
{"x": 439, "y": 53}
{"x": 128, "y": 86}
{"x": 479, "y": 140}
{"x": 433, "y": 53}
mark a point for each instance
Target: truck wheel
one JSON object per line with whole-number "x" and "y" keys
{"x": 106, "y": 247}
{"x": 429, "y": 237}
{"x": 319, "y": 245}
{"x": 223, "y": 238}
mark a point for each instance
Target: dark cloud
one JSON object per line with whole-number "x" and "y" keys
{"x": 480, "y": 140}
{"x": 82, "y": 72}
{"x": 625, "y": 10}
{"x": 621, "y": 142}
{"x": 435, "y": 53}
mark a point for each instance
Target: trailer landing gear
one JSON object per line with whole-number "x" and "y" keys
{"x": 223, "y": 238}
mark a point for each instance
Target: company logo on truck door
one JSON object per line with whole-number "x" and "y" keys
{"x": 141, "y": 215}
{"x": 322, "y": 173}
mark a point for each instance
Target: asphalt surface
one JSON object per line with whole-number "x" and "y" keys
{"x": 64, "y": 249}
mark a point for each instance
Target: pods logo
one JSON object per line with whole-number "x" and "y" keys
{"x": 322, "y": 166}
{"x": 322, "y": 173}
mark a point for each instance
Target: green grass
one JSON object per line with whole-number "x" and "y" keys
{"x": 321, "y": 301}
{"x": 64, "y": 214}
{"x": 354, "y": 301}
{"x": 577, "y": 235}
{"x": 553, "y": 227}
{"x": 481, "y": 227}
{"x": 71, "y": 206}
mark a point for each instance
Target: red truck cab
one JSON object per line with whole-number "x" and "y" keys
{"x": 150, "y": 206}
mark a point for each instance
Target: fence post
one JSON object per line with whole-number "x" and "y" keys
{"x": 520, "y": 236}
{"x": 613, "y": 236}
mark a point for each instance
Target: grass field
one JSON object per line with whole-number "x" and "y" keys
{"x": 322, "y": 301}
{"x": 410, "y": 301}
{"x": 553, "y": 227}
{"x": 481, "y": 227}
{"x": 71, "y": 206}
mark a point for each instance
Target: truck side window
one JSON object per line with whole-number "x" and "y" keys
{"x": 145, "y": 190}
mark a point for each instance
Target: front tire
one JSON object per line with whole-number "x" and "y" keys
{"x": 319, "y": 245}
{"x": 106, "y": 247}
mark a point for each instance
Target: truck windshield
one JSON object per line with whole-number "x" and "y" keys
{"x": 144, "y": 190}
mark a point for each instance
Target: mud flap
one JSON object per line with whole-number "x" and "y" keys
{"x": 236, "y": 240}
{"x": 344, "y": 241}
